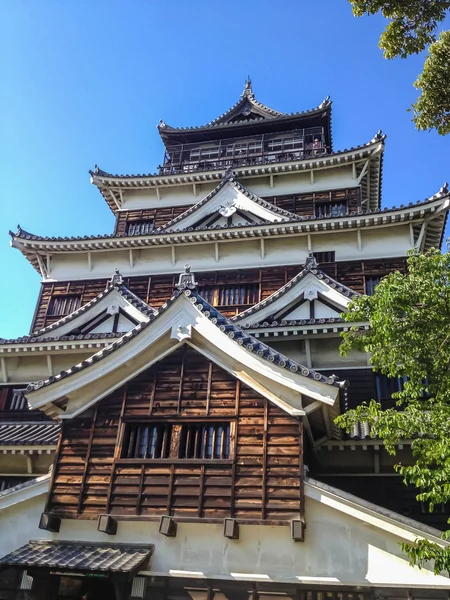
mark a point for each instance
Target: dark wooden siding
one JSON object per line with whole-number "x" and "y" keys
{"x": 304, "y": 204}
{"x": 300, "y": 204}
{"x": 160, "y": 216}
{"x": 260, "y": 482}
{"x": 157, "y": 289}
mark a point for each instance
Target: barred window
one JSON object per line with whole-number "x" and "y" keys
{"x": 371, "y": 284}
{"x": 331, "y": 209}
{"x": 239, "y": 293}
{"x": 173, "y": 440}
{"x": 140, "y": 227}
{"x": 63, "y": 304}
{"x": 324, "y": 257}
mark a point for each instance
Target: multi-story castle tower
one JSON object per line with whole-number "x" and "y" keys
{"x": 192, "y": 404}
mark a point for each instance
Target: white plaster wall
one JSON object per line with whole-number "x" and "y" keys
{"x": 33, "y": 366}
{"x": 19, "y": 523}
{"x": 283, "y": 183}
{"x": 338, "y": 547}
{"x": 380, "y": 242}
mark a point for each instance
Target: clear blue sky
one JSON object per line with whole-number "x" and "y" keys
{"x": 86, "y": 82}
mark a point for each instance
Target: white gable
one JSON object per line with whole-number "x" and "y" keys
{"x": 311, "y": 294}
{"x": 228, "y": 205}
{"x": 111, "y": 312}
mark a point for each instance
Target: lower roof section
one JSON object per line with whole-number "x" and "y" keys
{"x": 79, "y": 557}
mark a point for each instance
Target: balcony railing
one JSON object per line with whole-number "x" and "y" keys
{"x": 255, "y": 150}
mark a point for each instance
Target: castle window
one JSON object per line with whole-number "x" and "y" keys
{"x": 386, "y": 386}
{"x": 330, "y": 209}
{"x": 63, "y": 304}
{"x": 140, "y": 227}
{"x": 371, "y": 284}
{"x": 173, "y": 440}
{"x": 324, "y": 257}
{"x": 230, "y": 295}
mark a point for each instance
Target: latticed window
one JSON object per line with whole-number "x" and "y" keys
{"x": 140, "y": 227}
{"x": 324, "y": 257}
{"x": 331, "y": 209}
{"x": 235, "y": 294}
{"x": 63, "y": 304}
{"x": 371, "y": 284}
{"x": 173, "y": 440}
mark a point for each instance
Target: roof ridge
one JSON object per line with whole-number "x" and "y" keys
{"x": 310, "y": 267}
{"x": 228, "y": 177}
{"x": 225, "y": 325}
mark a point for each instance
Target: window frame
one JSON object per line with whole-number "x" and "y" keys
{"x": 173, "y": 421}
{"x": 66, "y": 299}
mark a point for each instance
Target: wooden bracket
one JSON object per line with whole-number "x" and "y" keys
{"x": 50, "y": 522}
{"x": 106, "y": 524}
{"x": 231, "y": 529}
{"x": 167, "y": 526}
{"x": 298, "y": 530}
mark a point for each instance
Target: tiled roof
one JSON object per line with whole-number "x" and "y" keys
{"x": 310, "y": 267}
{"x": 134, "y": 300}
{"x": 247, "y": 99}
{"x": 79, "y": 556}
{"x": 229, "y": 177}
{"x": 22, "y": 234}
{"x": 225, "y": 325}
{"x": 29, "y": 433}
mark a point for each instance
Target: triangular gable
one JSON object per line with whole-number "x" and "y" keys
{"x": 309, "y": 295}
{"x": 116, "y": 310}
{"x": 186, "y": 318}
{"x": 230, "y": 204}
{"x": 247, "y": 109}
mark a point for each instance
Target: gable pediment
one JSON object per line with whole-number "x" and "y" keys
{"x": 113, "y": 312}
{"x": 186, "y": 319}
{"x": 309, "y": 295}
{"x": 229, "y": 205}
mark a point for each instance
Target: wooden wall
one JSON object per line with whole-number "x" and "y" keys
{"x": 155, "y": 290}
{"x": 261, "y": 481}
{"x": 299, "y": 204}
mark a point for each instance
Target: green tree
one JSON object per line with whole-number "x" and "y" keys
{"x": 413, "y": 27}
{"x": 409, "y": 337}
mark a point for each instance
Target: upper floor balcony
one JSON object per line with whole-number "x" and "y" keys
{"x": 244, "y": 151}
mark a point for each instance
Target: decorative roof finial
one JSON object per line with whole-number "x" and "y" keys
{"x": 117, "y": 279}
{"x": 310, "y": 262}
{"x": 186, "y": 280}
{"x": 229, "y": 174}
{"x": 444, "y": 189}
{"x": 248, "y": 92}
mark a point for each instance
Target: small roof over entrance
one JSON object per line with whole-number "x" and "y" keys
{"x": 79, "y": 557}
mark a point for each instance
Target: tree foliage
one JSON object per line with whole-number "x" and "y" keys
{"x": 413, "y": 27}
{"x": 409, "y": 337}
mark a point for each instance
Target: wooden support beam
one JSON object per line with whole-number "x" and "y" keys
{"x": 41, "y": 266}
{"x": 116, "y": 200}
{"x": 121, "y": 196}
{"x": 308, "y": 237}
{"x": 354, "y": 170}
{"x": 264, "y": 465}
{"x": 262, "y": 247}
{"x": 131, "y": 257}
{"x": 326, "y": 418}
{"x": 311, "y": 175}
{"x": 48, "y": 262}
{"x": 29, "y": 464}
{"x": 359, "y": 237}
{"x": 308, "y": 354}
{"x": 271, "y": 182}
{"x": 216, "y": 251}
{"x": 194, "y": 189}
{"x": 363, "y": 171}
{"x": 4, "y": 370}
{"x": 312, "y": 407}
{"x": 310, "y": 434}
{"x": 89, "y": 261}
{"x": 421, "y": 238}
{"x": 158, "y": 196}
{"x": 86, "y": 459}
{"x": 411, "y": 235}
{"x": 49, "y": 365}
{"x": 174, "y": 257}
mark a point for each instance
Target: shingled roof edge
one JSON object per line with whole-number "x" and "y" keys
{"x": 234, "y": 332}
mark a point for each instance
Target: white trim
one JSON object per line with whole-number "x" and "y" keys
{"x": 25, "y": 492}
